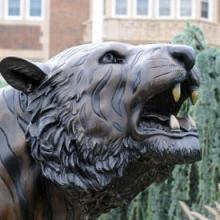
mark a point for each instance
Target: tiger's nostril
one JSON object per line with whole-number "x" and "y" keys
{"x": 184, "y": 55}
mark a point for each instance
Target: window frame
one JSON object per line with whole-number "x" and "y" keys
{"x": 30, "y": 17}
{"x": 210, "y": 11}
{"x": 149, "y": 15}
{"x": 118, "y": 15}
{"x": 1, "y": 11}
{"x": 13, "y": 17}
{"x": 171, "y": 16}
{"x": 1, "y": 8}
{"x": 179, "y": 16}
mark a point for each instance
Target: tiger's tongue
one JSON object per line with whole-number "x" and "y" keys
{"x": 186, "y": 123}
{"x": 157, "y": 116}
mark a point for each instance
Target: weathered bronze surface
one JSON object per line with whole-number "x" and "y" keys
{"x": 92, "y": 127}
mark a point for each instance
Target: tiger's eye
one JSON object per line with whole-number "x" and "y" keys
{"x": 112, "y": 57}
{"x": 109, "y": 58}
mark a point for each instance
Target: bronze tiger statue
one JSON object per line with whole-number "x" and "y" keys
{"x": 92, "y": 127}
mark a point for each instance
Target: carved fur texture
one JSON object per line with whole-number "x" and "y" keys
{"x": 93, "y": 126}
{"x": 81, "y": 127}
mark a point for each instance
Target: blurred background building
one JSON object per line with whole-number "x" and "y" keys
{"x": 38, "y": 29}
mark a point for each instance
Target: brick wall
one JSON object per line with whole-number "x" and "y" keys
{"x": 151, "y": 31}
{"x": 66, "y": 23}
{"x": 23, "y": 37}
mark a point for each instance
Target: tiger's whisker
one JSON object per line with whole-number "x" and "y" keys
{"x": 154, "y": 67}
{"x": 162, "y": 74}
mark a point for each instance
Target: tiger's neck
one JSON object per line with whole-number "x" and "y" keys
{"x": 38, "y": 198}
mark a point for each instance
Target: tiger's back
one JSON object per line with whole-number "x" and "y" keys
{"x": 17, "y": 171}
{"x": 24, "y": 195}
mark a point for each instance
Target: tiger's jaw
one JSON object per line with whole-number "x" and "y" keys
{"x": 157, "y": 125}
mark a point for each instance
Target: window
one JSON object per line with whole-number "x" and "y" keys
{"x": 14, "y": 8}
{"x": 205, "y": 9}
{"x": 121, "y": 7}
{"x": 142, "y": 7}
{"x": 35, "y": 8}
{"x": 186, "y": 7}
{"x": 165, "y": 8}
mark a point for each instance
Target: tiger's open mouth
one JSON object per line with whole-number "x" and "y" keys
{"x": 158, "y": 123}
{"x": 159, "y": 115}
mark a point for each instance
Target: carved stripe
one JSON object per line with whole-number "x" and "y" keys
{"x": 7, "y": 103}
{"x": 83, "y": 116}
{"x": 118, "y": 94}
{"x": 12, "y": 165}
{"x": 92, "y": 75}
{"x": 118, "y": 127}
{"x": 11, "y": 108}
{"x": 162, "y": 74}
{"x": 96, "y": 94}
{"x": 136, "y": 82}
{"x": 22, "y": 124}
{"x": 8, "y": 187}
{"x": 136, "y": 58}
{"x": 159, "y": 66}
{"x": 22, "y": 101}
{"x": 79, "y": 76}
{"x": 80, "y": 61}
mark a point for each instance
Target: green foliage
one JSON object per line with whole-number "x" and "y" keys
{"x": 137, "y": 212}
{"x": 209, "y": 125}
{"x": 2, "y": 83}
{"x": 195, "y": 184}
{"x": 115, "y": 214}
{"x": 193, "y": 36}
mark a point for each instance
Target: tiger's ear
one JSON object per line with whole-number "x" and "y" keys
{"x": 22, "y": 74}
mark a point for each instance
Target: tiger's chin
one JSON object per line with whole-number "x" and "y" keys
{"x": 174, "y": 145}
{"x": 174, "y": 150}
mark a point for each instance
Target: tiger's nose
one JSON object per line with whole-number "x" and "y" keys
{"x": 185, "y": 55}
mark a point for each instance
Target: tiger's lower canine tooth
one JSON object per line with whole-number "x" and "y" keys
{"x": 174, "y": 124}
{"x": 176, "y": 92}
{"x": 194, "y": 96}
{"x": 192, "y": 122}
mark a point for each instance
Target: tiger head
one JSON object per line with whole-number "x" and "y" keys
{"x": 104, "y": 116}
